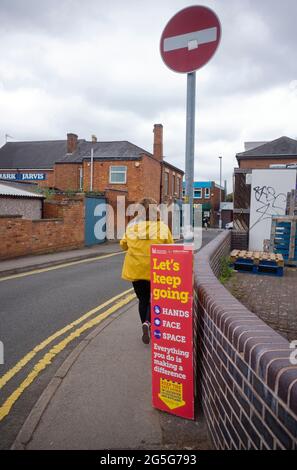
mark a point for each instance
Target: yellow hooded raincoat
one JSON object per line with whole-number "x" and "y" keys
{"x": 137, "y": 241}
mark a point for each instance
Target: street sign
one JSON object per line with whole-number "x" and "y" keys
{"x": 23, "y": 176}
{"x": 190, "y": 39}
{"x": 172, "y": 329}
{"x": 188, "y": 42}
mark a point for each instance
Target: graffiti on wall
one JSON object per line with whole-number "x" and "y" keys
{"x": 269, "y": 203}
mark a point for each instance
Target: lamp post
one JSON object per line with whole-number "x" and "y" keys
{"x": 220, "y": 212}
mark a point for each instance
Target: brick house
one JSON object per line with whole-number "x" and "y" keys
{"x": 263, "y": 154}
{"x": 119, "y": 167}
{"x": 208, "y": 194}
{"x": 258, "y": 155}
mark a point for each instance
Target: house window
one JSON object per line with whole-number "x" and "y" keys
{"x": 166, "y": 180}
{"x": 207, "y": 193}
{"x": 173, "y": 184}
{"x": 118, "y": 174}
{"x": 198, "y": 193}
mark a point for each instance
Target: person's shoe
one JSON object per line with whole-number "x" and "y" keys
{"x": 146, "y": 334}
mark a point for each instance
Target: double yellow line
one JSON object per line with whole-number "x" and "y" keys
{"x": 119, "y": 301}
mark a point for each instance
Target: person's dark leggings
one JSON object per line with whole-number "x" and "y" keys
{"x": 143, "y": 292}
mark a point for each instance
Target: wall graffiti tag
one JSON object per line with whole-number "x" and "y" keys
{"x": 269, "y": 203}
{"x": 269, "y": 189}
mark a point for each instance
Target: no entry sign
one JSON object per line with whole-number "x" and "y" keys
{"x": 172, "y": 329}
{"x": 190, "y": 39}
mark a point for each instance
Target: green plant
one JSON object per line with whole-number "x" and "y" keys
{"x": 47, "y": 192}
{"x": 226, "y": 271}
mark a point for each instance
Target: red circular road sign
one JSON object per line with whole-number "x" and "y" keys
{"x": 190, "y": 39}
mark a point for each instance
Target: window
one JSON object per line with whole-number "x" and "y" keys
{"x": 198, "y": 193}
{"x": 173, "y": 184}
{"x": 118, "y": 174}
{"x": 207, "y": 193}
{"x": 166, "y": 180}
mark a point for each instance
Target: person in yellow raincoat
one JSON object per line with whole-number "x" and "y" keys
{"x": 143, "y": 231}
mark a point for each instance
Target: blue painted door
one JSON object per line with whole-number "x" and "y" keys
{"x": 95, "y": 220}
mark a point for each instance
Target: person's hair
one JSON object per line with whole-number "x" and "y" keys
{"x": 151, "y": 208}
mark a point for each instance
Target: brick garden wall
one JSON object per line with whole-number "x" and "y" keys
{"x": 239, "y": 240}
{"x": 246, "y": 383}
{"x": 63, "y": 229}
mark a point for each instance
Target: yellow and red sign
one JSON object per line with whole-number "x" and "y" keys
{"x": 172, "y": 329}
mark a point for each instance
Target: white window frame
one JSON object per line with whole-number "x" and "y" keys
{"x": 197, "y": 197}
{"x": 207, "y": 193}
{"x": 113, "y": 170}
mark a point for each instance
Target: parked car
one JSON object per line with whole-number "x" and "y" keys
{"x": 229, "y": 226}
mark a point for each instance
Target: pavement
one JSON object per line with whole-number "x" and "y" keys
{"x": 27, "y": 263}
{"x": 100, "y": 398}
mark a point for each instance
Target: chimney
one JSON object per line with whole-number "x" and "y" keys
{"x": 94, "y": 139}
{"x": 158, "y": 142}
{"x": 71, "y": 142}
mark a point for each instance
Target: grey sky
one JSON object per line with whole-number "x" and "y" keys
{"x": 94, "y": 67}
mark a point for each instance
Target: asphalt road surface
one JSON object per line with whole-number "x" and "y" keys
{"x": 36, "y": 306}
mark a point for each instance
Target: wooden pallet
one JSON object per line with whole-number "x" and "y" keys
{"x": 257, "y": 256}
{"x": 257, "y": 262}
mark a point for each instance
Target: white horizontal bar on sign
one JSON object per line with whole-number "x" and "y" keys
{"x": 203, "y": 36}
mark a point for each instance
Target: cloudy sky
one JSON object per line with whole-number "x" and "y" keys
{"x": 93, "y": 67}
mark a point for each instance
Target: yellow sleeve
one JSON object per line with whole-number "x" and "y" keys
{"x": 165, "y": 234}
{"x": 169, "y": 239}
{"x": 123, "y": 243}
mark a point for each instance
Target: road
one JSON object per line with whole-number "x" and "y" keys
{"x": 39, "y": 306}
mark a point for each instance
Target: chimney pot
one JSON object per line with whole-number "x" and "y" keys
{"x": 71, "y": 142}
{"x": 94, "y": 138}
{"x": 158, "y": 142}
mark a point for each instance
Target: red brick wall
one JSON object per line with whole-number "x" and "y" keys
{"x": 246, "y": 382}
{"x": 151, "y": 174}
{"x": 49, "y": 182}
{"x": 21, "y": 237}
{"x": 67, "y": 176}
{"x": 143, "y": 177}
{"x": 172, "y": 189}
{"x": 264, "y": 163}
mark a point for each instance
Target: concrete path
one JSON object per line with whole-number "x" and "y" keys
{"x": 101, "y": 398}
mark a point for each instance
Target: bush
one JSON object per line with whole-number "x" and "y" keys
{"x": 225, "y": 270}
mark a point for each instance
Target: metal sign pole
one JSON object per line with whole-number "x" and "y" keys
{"x": 190, "y": 141}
